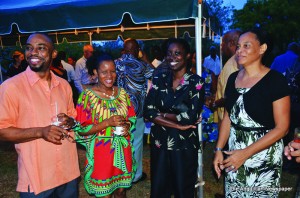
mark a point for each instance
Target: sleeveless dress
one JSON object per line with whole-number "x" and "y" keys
{"x": 260, "y": 175}
{"x": 109, "y": 157}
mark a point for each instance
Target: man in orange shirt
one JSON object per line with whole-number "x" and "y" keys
{"x": 47, "y": 163}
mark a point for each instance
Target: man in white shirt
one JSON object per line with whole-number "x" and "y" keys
{"x": 69, "y": 68}
{"x": 212, "y": 62}
{"x": 82, "y": 76}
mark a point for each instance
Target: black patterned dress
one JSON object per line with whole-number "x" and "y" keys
{"x": 260, "y": 175}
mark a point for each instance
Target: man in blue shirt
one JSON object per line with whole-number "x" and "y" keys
{"x": 286, "y": 60}
{"x": 132, "y": 75}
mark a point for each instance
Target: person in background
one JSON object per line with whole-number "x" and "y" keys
{"x": 157, "y": 56}
{"x": 18, "y": 65}
{"x": 228, "y": 48}
{"x": 109, "y": 153}
{"x": 286, "y": 60}
{"x": 132, "y": 75}
{"x": 174, "y": 104}
{"x": 61, "y": 55}
{"x": 212, "y": 62}
{"x": 72, "y": 61}
{"x": 209, "y": 126}
{"x": 256, "y": 119}
{"x": 81, "y": 72}
{"x": 31, "y": 104}
{"x": 57, "y": 68}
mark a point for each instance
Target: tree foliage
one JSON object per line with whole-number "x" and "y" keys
{"x": 279, "y": 17}
{"x": 220, "y": 15}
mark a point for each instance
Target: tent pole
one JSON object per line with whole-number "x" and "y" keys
{"x": 198, "y": 36}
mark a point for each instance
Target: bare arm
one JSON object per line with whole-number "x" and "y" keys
{"x": 17, "y": 135}
{"x": 170, "y": 121}
{"x": 223, "y": 138}
{"x": 224, "y": 131}
{"x": 116, "y": 120}
{"x": 281, "y": 113}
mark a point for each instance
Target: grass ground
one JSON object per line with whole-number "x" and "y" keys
{"x": 212, "y": 187}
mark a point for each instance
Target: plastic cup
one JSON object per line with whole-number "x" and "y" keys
{"x": 54, "y": 121}
{"x": 119, "y": 130}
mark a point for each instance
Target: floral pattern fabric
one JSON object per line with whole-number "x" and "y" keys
{"x": 261, "y": 172}
{"x": 209, "y": 127}
{"x": 163, "y": 99}
{"x": 109, "y": 157}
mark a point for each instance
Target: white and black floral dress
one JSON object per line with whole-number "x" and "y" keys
{"x": 259, "y": 176}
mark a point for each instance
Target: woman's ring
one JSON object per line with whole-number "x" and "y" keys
{"x": 232, "y": 166}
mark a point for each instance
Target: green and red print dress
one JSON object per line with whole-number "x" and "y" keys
{"x": 109, "y": 158}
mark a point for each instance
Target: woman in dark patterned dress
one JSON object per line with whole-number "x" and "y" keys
{"x": 173, "y": 105}
{"x": 255, "y": 120}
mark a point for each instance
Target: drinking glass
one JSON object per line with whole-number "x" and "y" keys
{"x": 297, "y": 135}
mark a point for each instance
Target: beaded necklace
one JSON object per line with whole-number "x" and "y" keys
{"x": 112, "y": 96}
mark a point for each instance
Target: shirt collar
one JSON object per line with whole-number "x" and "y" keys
{"x": 128, "y": 56}
{"x": 34, "y": 78}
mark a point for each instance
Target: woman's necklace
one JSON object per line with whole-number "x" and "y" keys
{"x": 112, "y": 96}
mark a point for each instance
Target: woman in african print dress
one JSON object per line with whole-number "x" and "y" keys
{"x": 255, "y": 120}
{"x": 110, "y": 166}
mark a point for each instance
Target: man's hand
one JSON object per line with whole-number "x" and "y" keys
{"x": 292, "y": 150}
{"x": 53, "y": 134}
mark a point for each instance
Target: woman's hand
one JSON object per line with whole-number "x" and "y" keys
{"x": 234, "y": 160}
{"x": 115, "y": 120}
{"x": 292, "y": 150}
{"x": 209, "y": 100}
{"x": 185, "y": 127}
{"x": 126, "y": 129}
{"x": 66, "y": 122}
{"x": 218, "y": 166}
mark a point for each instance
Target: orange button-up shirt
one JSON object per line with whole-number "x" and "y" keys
{"x": 27, "y": 101}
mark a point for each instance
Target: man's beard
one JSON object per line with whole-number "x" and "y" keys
{"x": 36, "y": 69}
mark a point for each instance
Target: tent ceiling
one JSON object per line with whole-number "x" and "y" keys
{"x": 57, "y": 15}
{"x": 141, "y": 19}
{"x": 159, "y": 30}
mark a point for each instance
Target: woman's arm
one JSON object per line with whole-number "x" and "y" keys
{"x": 169, "y": 120}
{"x": 222, "y": 140}
{"x": 281, "y": 113}
{"x": 115, "y": 120}
{"x": 224, "y": 131}
{"x": 194, "y": 104}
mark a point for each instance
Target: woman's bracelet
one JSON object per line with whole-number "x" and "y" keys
{"x": 165, "y": 114}
{"x": 76, "y": 123}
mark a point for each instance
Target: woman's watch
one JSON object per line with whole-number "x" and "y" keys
{"x": 217, "y": 149}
